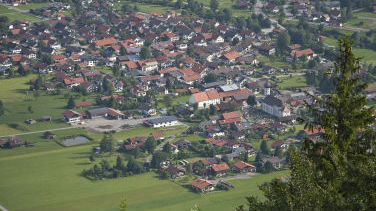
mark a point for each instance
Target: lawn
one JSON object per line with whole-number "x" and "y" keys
{"x": 14, "y": 15}
{"x": 145, "y": 8}
{"x": 50, "y": 181}
{"x": 368, "y": 56}
{"x": 358, "y": 22}
{"x": 32, "y": 6}
{"x": 292, "y": 82}
{"x": 331, "y": 42}
{"x": 14, "y": 89}
{"x": 365, "y": 14}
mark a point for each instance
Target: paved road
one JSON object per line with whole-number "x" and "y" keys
{"x": 3, "y": 208}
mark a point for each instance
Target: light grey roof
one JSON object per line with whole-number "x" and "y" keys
{"x": 229, "y": 87}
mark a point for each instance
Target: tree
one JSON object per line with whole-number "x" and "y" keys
{"x": 268, "y": 167}
{"x": 283, "y": 42}
{"x": 214, "y": 5}
{"x": 179, "y": 4}
{"x": 106, "y": 144}
{"x": 123, "y": 204}
{"x": 158, "y": 158}
{"x": 70, "y": 103}
{"x": 278, "y": 152}
{"x": 259, "y": 157}
{"x": 264, "y": 148}
{"x": 251, "y": 100}
{"x": 145, "y": 53}
{"x": 2, "y": 110}
{"x": 167, "y": 148}
{"x": 30, "y": 109}
{"x": 150, "y": 144}
{"x": 122, "y": 51}
{"x": 337, "y": 172}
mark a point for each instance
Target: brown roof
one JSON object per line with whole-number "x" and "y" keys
{"x": 201, "y": 183}
{"x": 70, "y": 114}
{"x": 220, "y": 167}
{"x": 306, "y": 52}
{"x": 193, "y": 77}
{"x": 212, "y": 94}
{"x": 242, "y": 165}
{"x": 234, "y": 93}
{"x": 107, "y": 41}
{"x": 73, "y": 80}
{"x": 231, "y": 55}
{"x": 232, "y": 115}
{"x": 200, "y": 97}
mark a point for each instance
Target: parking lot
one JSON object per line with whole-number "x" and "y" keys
{"x": 102, "y": 125}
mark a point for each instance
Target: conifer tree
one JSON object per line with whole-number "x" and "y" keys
{"x": 338, "y": 172}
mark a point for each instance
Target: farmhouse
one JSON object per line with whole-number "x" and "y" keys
{"x": 202, "y": 185}
{"x": 71, "y": 116}
{"x": 241, "y": 166}
{"x": 220, "y": 170}
{"x": 205, "y": 99}
{"x": 164, "y": 121}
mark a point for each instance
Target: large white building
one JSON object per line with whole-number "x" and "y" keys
{"x": 275, "y": 107}
{"x": 164, "y": 121}
{"x": 205, "y": 99}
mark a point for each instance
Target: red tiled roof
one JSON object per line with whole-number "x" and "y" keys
{"x": 242, "y": 165}
{"x": 171, "y": 69}
{"x": 277, "y": 143}
{"x": 58, "y": 57}
{"x": 306, "y": 52}
{"x": 212, "y": 94}
{"x": 158, "y": 134}
{"x": 193, "y": 77}
{"x": 129, "y": 64}
{"x": 150, "y": 78}
{"x": 231, "y": 55}
{"x": 73, "y": 80}
{"x": 201, "y": 183}
{"x": 220, "y": 167}
{"x": 107, "y": 41}
{"x": 232, "y": 115}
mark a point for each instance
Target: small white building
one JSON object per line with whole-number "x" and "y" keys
{"x": 71, "y": 116}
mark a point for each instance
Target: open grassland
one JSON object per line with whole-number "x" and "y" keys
{"x": 290, "y": 82}
{"x": 14, "y": 15}
{"x": 359, "y": 22}
{"x": 365, "y": 14}
{"x": 32, "y": 6}
{"x": 368, "y": 56}
{"x": 144, "y": 7}
{"x": 50, "y": 181}
{"x": 14, "y": 89}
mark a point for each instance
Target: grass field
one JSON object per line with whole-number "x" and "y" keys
{"x": 295, "y": 81}
{"x": 14, "y": 15}
{"x": 144, "y": 7}
{"x": 32, "y": 6}
{"x": 368, "y": 56}
{"x": 50, "y": 181}
{"x": 359, "y": 22}
{"x": 365, "y": 14}
{"x": 14, "y": 89}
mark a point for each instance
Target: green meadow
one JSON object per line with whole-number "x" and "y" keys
{"x": 14, "y": 15}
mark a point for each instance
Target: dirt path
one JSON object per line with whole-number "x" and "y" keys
{"x": 3, "y": 208}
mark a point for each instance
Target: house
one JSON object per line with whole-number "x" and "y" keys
{"x": 220, "y": 170}
{"x": 280, "y": 144}
{"x": 183, "y": 144}
{"x": 13, "y": 142}
{"x": 97, "y": 113}
{"x": 82, "y": 104}
{"x": 205, "y": 99}
{"x": 164, "y": 121}
{"x": 243, "y": 167}
{"x": 202, "y": 185}
{"x": 276, "y": 162}
{"x": 231, "y": 57}
{"x": 306, "y": 52}
{"x": 175, "y": 171}
{"x": 158, "y": 135}
{"x": 49, "y": 135}
{"x": 231, "y": 117}
{"x": 71, "y": 116}
{"x": 275, "y": 107}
